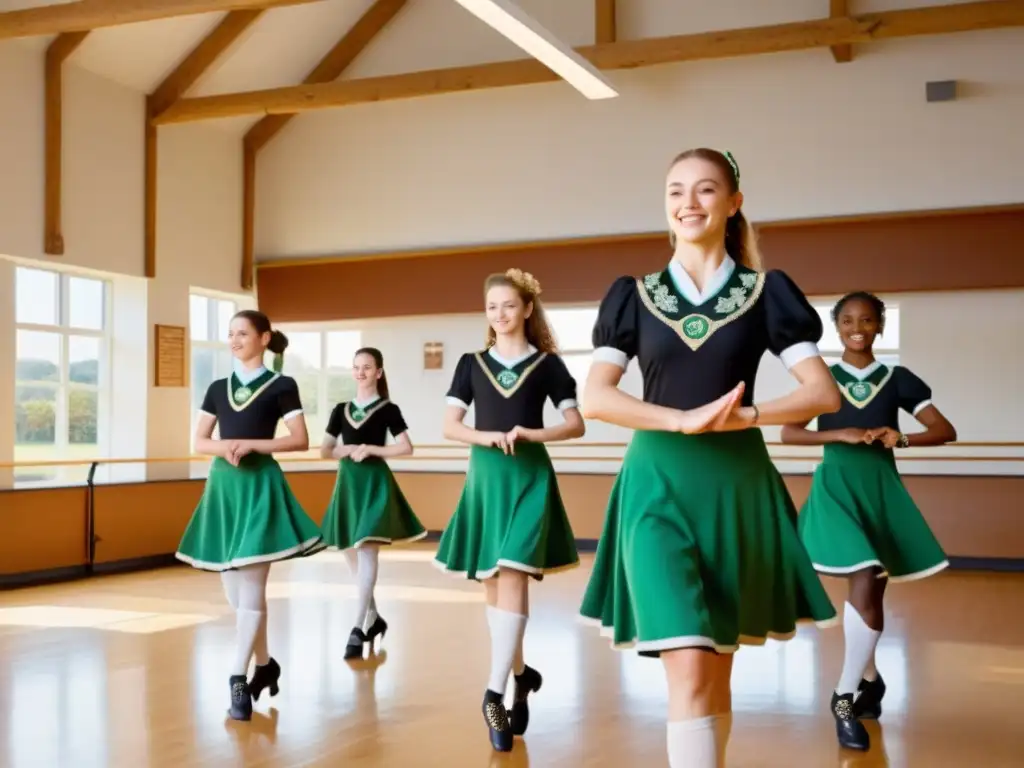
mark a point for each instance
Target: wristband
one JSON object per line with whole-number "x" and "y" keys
{"x": 757, "y": 415}
{"x": 903, "y": 441}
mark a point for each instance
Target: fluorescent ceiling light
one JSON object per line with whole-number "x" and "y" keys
{"x": 511, "y": 21}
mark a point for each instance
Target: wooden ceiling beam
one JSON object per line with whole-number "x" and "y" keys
{"x": 173, "y": 87}
{"x": 330, "y": 68}
{"x": 53, "y": 141}
{"x": 625, "y": 54}
{"x": 604, "y": 21}
{"x": 333, "y": 64}
{"x": 842, "y": 53}
{"x": 85, "y": 15}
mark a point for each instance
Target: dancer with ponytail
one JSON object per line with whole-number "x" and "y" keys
{"x": 700, "y": 552}
{"x": 859, "y": 522}
{"x": 367, "y": 508}
{"x": 510, "y": 525}
{"x": 247, "y": 517}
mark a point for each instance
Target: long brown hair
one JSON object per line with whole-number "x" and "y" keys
{"x": 740, "y": 238}
{"x": 538, "y": 332}
{"x": 378, "y": 360}
{"x": 261, "y": 324}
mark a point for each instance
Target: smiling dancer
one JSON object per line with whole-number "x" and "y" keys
{"x": 700, "y": 552}
{"x": 510, "y": 524}
{"x": 367, "y": 508}
{"x": 248, "y": 517}
{"x": 859, "y": 521}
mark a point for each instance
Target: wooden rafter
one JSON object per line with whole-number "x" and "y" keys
{"x": 625, "y": 54}
{"x": 604, "y": 21}
{"x": 85, "y": 15}
{"x": 56, "y": 54}
{"x": 330, "y": 68}
{"x": 842, "y": 53}
{"x": 174, "y": 86}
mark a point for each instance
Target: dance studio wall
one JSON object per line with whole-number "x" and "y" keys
{"x": 813, "y": 138}
{"x": 198, "y": 230}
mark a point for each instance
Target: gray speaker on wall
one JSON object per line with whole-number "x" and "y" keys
{"x": 941, "y": 90}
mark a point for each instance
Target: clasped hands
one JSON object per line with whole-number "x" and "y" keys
{"x": 506, "y": 440}
{"x": 887, "y": 436}
{"x": 355, "y": 452}
{"x": 725, "y": 414}
{"x": 234, "y": 450}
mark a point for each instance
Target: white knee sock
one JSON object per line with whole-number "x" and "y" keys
{"x": 230, "y": 580}
{"x": 366, "y": 579}
{"x": 860, "y": 650}
{"x": 723, "y": 730}
{"x": 507, "y": 631}
{"x": 691, "y": 743}
{"x": 251, "y": 617}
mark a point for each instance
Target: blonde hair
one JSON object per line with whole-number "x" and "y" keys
{"x": 740, "y": 237}
{"x": 538, "y": 332}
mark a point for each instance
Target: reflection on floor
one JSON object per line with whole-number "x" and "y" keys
{"x": 131, "y": 671}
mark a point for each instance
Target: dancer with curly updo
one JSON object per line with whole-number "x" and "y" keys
{"x": 510, "y": 524}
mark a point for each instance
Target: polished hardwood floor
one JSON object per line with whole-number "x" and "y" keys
{"x": 131, "y": 671}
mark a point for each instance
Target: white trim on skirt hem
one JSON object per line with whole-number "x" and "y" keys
{"x": 308, "y": 547}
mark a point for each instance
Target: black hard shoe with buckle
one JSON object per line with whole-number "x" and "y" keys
{"x": 849, "y": 730}
{"x": 869, "y": 703}
{"x": 354, "y": 647}
{"x": 241, "y": 699}
{"x": 528, "y": 682}
{"x": 496, "y": 717}
{"x": 265, "y": 676}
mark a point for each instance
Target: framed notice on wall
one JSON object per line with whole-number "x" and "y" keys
{"x": 170, "y": 354}
{"x": 433, "y": 356}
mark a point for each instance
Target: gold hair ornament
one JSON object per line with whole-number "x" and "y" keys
{"x": 524, "y": 281}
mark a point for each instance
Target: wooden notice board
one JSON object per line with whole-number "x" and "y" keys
{"x": 170, "y": 355}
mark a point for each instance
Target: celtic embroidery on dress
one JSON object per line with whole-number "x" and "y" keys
{"x": 660, "y": 295}
{"x": 507, "y": 378}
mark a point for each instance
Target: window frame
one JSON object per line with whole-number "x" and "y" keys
{"x": 213, "y": 343}
{"x": 62, "y": 446}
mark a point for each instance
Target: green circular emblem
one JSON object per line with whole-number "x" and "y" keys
{"x": 358, "y": 414}
{"x": 860, "y": 391}
{"x": 242, "y": 394}
{"x": 507, "y": 378}
{"x": 695, "y": 326}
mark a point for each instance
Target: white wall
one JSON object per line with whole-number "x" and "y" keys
{"x": 974, "y": 380}
{"x": 199, "y": 230}
{"x": 813, "y": 138}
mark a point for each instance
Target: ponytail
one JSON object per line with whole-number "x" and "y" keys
{"x": 278, "y": 344}
{"x": 382, "y": 385}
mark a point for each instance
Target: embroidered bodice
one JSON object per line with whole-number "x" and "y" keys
{"x": 252, "y": 410}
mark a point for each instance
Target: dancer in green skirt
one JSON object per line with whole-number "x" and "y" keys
{"x": 510, "y": 524}
{"x": 367, "y": 508}
{"x": 700, "y": 552}
{"x": 859, "y": 521}
{"x": 248, "y": 517}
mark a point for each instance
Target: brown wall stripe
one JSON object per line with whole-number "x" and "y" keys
{"x": 980, "y": 248}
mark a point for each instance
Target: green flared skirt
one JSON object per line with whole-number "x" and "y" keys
{"x": 367, "y": 506}
{"x": 700, "y": 549}
{"x": 247, "y": 515}
{"x": 510, "y": 515}
{"x": 859, "y": 515}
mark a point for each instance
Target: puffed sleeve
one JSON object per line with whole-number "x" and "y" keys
{"x": 561, "y": 384}
{"x": 209, "y": 406}
{"x": 396, "y": 421}
{"x": 460, "y": 393}
{"x": 615, "y": 332}
{"x": 334, "y": 423}
{"x": 914, "y": 394}
{"x": 794, "y": 326}
{"x": 288, "y": 398}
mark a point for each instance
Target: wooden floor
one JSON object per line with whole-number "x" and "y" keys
{"x": 131, "y": 671}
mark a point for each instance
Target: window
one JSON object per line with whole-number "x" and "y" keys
{"x": 61, "y": 374}
{"x": 321, "y": 364}
{"x": 887, "y": 345}
{"x": 573, "y": 329}
{"x": 209, "y": 321}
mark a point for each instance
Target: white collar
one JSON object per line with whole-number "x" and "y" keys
{"x": 685, "y": 285}
{"x": 363, "y": 403}
{"x": 246, "y": 376}
{"x": 493, "y": 352}
{"x": 859, "y": 373}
